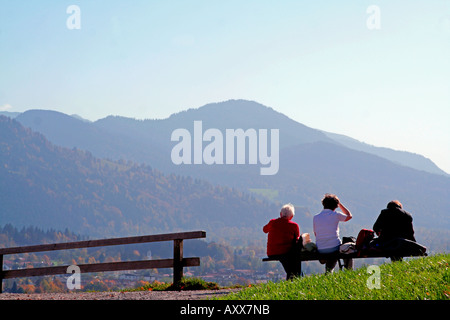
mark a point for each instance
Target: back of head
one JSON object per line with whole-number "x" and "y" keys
{"x": 330, "y": 201}
{"x": 394, "y": 204}
{"x": 287, "y": 211}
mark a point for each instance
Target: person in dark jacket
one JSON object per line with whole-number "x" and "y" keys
{"x": 393, "y": 223}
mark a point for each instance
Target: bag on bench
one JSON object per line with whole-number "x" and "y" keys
{"x": 365, "y": 236}
{"x": 347, "y": 248}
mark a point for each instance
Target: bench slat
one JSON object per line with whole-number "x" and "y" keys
{"x": 104, "y": 242}
{"x": 318, "y": 256}
{"x": 100, "y": 267}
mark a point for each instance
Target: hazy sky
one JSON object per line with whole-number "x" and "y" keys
{"x": 378, "y": 74}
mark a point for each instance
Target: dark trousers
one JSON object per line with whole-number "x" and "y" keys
{"x": 291, "y": 261}
{"x": 292, "y": 265}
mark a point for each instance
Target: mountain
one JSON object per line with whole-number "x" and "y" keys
{"x": 405, "y": 158}
{"x": 48, "y": 186}
{"x": 311, "y": 163}
{"x": 71, "y": 132}
{"x": 149, "y": 141}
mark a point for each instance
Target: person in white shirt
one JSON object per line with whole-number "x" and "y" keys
{"x": 326, "y": 227}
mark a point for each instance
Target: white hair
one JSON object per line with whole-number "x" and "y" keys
{"x": 287, "y": 211}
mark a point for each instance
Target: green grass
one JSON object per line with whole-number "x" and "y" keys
{"x": 186, "y": 284}
{"x": 419, "y": 278}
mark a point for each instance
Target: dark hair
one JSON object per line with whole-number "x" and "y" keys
{"x": 394, "y": 204}
{"x": 330, "y": 201}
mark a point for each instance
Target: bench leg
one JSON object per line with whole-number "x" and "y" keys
{"x": 177, "y": 261}
{"x": 348, "y": 264}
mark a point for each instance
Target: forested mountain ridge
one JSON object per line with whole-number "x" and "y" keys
{"x": 54, "y": 187}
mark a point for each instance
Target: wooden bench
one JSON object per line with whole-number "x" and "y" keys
{"x": 316, "y": 256}
{"x": 177, "y": 263}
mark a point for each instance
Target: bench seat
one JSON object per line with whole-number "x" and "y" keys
{"x": 397, "y": 247}
{"x": 311, "y": 256}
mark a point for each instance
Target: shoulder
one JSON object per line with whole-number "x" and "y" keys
{"x": 406, "y": 213}
{"x": 384, "y": 212}
{"x": 317, "y": 217}
{"x": 321, "y": 213}
{"x": 293, "y": 223}
{"x": 340, "y": 216}
{"x": 400, "y": 212}
{"x": 325, "y": 214}
{"x": 272, "y": 221}
{"x": 294, "y": 226}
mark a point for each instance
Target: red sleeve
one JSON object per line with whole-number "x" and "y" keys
{"x": 297, "y": 231}
{"x": 267, "y": 227}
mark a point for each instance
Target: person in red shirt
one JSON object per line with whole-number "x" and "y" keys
{"x": 283, "y": 235}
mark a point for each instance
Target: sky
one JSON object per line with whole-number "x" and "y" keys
{"x": 377, "y": 71}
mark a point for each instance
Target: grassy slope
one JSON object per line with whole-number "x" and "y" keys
{"x": 419, "y": 278}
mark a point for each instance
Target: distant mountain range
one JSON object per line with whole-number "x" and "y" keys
{"x": 74, "y": 131}
{"x": 311, "y": 163}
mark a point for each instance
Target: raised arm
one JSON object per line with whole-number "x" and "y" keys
{"x": 345, "y": 211}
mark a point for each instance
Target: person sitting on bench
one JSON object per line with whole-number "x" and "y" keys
{"x": 282, "y": 238}
{"x": 326, "y": 228}
{"x": 392, "y": 223}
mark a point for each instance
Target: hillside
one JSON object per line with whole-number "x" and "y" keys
{"x": 404, "y": 158}
{"x": 48, "y": 186}
{"x": 365, "y": 181}
{"x": 149, "y": 140}
{"x": 418, "y": 279}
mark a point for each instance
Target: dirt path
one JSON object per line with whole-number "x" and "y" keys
{"x": 140, "y": 295}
